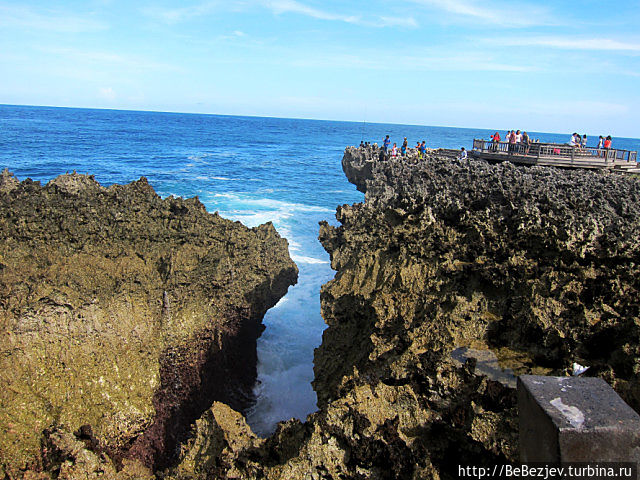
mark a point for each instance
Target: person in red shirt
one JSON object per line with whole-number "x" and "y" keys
{"x": 607, "y": 142}
{"x": 495, "y": 139}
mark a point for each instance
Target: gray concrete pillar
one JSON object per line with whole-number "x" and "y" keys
{"x": 574, "y": 419}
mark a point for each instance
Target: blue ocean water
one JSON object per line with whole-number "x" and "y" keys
{"x": 247, "y": 168}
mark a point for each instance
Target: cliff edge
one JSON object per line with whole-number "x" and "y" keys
{"x": 123, "y": 317}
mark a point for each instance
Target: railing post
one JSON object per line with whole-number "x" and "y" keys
{"x": 573, "y": 151}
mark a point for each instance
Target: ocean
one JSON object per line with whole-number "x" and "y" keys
{"x": 251, "y": 169}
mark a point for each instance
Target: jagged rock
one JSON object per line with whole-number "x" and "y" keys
{"x": 539, "y": 265}
{"x": 448, "y": 269}
{"x": 221, "y": 438}
{"x": 8, "y": 181}
{"x": 124, "y": 312}
{"x": 71, "y": 456}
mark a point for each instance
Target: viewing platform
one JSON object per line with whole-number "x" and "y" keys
{"x": 557, "y": 155}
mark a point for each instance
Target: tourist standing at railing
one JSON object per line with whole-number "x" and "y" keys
{"x": 607, "y": 147}
{"x": 512, "y": 141}
{"x": 600, "y": 145}
{"x": 526, "y": 142}
{"x": 495, "y": 140}
{"x": 584, "y": 141}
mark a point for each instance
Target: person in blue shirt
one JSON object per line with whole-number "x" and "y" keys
{"x": 403, "y": 149}
{"x": 386, "y": 144}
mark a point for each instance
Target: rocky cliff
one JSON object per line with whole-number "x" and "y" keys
{"x": 451, "y": 278}
{"x": 123, "y": 317}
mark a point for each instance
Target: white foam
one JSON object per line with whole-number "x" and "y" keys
{"x": 285, "y": 393}
{"x": 281, "y": 302}
{"x": 311, "y": 260}
{"x": 199, "y": 156}
{"x": 294, "y": 326}
{"x": 224, "y": 195}
{"x": 253, "y": 219}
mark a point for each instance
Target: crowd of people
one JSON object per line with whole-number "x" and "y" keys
{"x": 393, "y": 151}
{"x": 581, "y": 141}
{"x": 521, "y": 142}
{"x": 517, "y": 141}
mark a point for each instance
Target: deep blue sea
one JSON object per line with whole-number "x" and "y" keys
{"x": 247, "y": 168}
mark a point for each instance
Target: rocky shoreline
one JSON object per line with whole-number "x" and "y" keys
{"x": 124, "y": 316}
{"x": 451, "y": 278}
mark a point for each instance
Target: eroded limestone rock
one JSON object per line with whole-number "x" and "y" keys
{"x": 537, "y": 265}
{"x": 124, "y": 312}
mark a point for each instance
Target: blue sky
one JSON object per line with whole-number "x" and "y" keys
{"x": 544, "y": 66}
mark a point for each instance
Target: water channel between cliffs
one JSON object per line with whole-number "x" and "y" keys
{"x": 294, "y": 326}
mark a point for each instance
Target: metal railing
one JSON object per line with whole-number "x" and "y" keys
{"x": 556, "y": 151}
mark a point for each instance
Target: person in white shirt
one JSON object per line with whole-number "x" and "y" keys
{"x": 574, "y": 142}
{"x": 463, "y": 154}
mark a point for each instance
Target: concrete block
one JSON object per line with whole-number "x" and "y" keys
{"x": 575, "y": 419}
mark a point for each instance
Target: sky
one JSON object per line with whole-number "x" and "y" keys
{"x": 551, "y": 66}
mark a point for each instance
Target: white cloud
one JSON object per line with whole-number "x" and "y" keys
{"x": 236, "y": 34}
{"x": 508, "y": 14}
{"x": 48, "y": 20}
{"x": 107, "y": 93}
{"x": 571, "y": 43}
{"x": 292, "y": 6}
{"x": 277, "y": 7}
{"x": 462, "y": 8}
{"x": 93, "y": 57}
{"x": 176, "y": 15}
{"x": 427, "y": 62}
{"x": 406, "y": 22}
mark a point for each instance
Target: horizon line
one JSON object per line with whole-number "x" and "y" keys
{"x": 282, "y": 118}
